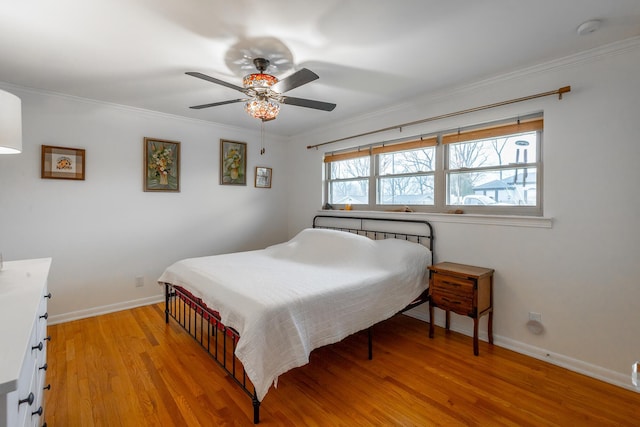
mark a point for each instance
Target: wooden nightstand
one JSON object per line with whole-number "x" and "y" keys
{"x": 463, "y": 289}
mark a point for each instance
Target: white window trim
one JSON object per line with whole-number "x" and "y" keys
{"x": 477, "y": 219}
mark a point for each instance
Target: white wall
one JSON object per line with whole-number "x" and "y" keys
{"x": 105, "y": 231}
{"x": 583, "y": 273}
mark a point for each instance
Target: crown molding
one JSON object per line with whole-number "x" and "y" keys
{"x": 140, "y": 111}
{"x": 609, "y": 50}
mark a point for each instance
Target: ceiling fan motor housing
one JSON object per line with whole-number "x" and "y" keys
{"x": 261, "y": 64}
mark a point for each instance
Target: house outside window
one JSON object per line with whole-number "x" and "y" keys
{"x": 490, "y": 169}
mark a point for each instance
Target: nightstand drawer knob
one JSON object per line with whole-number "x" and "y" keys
{"x": 48, "y": 387}
{"x": 40, "y": 346}
{"x": 45, "y": 316}
{"x": 48, "y": 295}
{"x": 29, "y": 399}
{"x": 38, "y": 412}
{"x": 43, "y": 367}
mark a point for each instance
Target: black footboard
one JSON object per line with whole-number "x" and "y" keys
{"x": 204, "y": 325}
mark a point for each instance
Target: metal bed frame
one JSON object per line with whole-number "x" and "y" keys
{"x": 204, "y": 325}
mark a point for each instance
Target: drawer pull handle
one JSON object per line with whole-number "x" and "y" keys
{"x": 48, "y": 387}
{"x": 40, "y": 346}
{"x": 48, "y": 295}
{"x": 451, "y": 283}
{"x": 39, "y": 412}
{"x": 29, "y": 399}
{"x": 43, "y": 367}
{"x": 45, "y": 316}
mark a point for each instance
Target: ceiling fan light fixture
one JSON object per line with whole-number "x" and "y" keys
{"x": 259, "y": 80}
{"x": 262, "y": 108}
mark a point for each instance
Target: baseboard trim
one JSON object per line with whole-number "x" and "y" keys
{"x": 575, "y": 365}
{"x": 104, "y": 309}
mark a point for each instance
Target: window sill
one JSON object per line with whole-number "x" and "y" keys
{"x": 500, "y": 220}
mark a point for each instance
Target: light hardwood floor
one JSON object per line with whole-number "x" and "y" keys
{"x": 131, "y": 369}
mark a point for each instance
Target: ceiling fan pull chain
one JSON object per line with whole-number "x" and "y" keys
{"x": 262, "y": 149}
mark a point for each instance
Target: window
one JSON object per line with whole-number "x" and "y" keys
{"x": 488, "y": 169}
{"x": 349, "y": 182}
{"x": 406, "y": 177}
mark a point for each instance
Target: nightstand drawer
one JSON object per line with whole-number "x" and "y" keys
{"x": 452, "y": 293}
{"x": 453, "y": 302}
{"x": 453, "y": 285}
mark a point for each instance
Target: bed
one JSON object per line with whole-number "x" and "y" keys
{"x": 261, "y": 313}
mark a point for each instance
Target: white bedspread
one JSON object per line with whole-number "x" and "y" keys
{"x": 313, "y": 290}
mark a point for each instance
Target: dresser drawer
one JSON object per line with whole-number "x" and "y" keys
{"x": 26, "y": 396}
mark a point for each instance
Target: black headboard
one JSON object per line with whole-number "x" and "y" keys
{"x": 414, "y": 230}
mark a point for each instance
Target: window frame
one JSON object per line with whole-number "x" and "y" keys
{"x": 378, "y": 177}
{"x": 441, "y": 141}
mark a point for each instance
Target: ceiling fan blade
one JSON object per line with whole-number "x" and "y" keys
{"x": 309, "y": 103}
{"x": 295, "y": 80}
{"x": 215, "y": 104}
{"x": 214, "y": 80}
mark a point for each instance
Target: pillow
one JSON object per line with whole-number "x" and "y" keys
{"x": 327, "y": 247}
{"x": 396, "y": 252}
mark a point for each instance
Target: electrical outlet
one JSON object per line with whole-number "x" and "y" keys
{"x": 536, "y": 317}
{"x": 139, "y": 281}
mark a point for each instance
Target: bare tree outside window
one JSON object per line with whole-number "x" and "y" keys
{"x": 406, "y": 177}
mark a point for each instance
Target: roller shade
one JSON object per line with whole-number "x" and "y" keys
{"x": 345, "y": 155}
{"x": 409, "y": 145}
{"x": 379, "y": 149}
{"x": 492, "y": 132}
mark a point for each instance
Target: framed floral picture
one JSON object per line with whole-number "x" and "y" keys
{"x": 233, "y": 163}
{"x": 263, "y": 177}
{"x": 161, "y": 165}
{"x": 62, "y": 163}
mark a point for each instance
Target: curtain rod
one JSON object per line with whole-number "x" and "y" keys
{"x": 558, "y": 92}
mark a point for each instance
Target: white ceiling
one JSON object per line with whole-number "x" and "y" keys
{"x": 369, "y": 54}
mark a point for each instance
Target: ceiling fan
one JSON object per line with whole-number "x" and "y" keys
{"x": 265, "y": 92}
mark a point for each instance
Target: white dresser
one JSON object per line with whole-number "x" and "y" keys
{"x": 23, "y": 342}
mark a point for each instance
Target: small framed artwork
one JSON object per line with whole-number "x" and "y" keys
{"x": 161, "y": 165}
{"x": 233, "y": 163}
{"x": 263, "y": 177}
{"x": 62, "y": 163}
